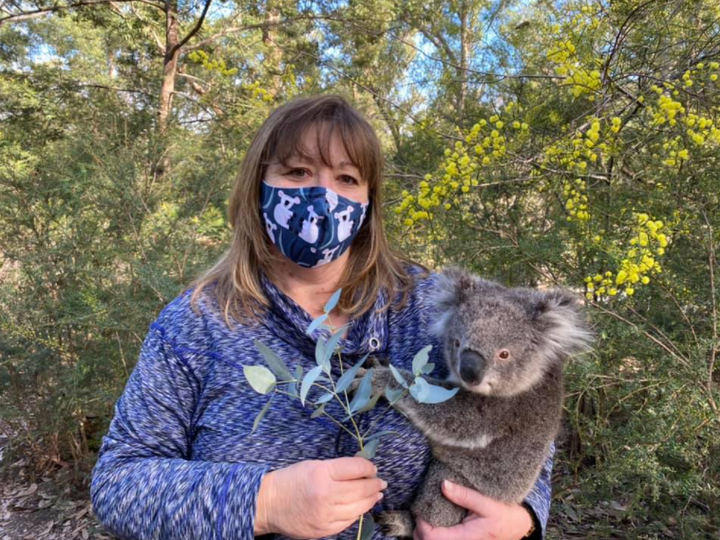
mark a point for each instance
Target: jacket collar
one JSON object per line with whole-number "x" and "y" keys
{"x": 289, "y": 321}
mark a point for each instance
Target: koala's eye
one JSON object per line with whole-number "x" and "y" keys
{"x": 504, "y": 354}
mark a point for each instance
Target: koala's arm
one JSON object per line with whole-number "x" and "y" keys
{"x": 445, "y": 423}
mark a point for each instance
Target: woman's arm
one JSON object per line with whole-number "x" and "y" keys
{"x": 144, "y": 484}
{"x": 540, "y": 496}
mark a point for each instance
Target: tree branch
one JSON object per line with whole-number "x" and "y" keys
{"x": 194, "y": 31}
{"x": 27, "y": 15}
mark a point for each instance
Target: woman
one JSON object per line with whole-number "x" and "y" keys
{"x": 180, "y": 462}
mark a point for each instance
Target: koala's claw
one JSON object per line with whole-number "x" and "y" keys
{"x": 398, "y": 523}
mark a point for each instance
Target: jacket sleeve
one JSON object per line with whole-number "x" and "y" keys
{"x": 145, "y": 484}
{"x": 539, "y": 498}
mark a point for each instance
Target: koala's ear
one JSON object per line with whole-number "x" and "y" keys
{"x": 453, "y": 286}
{"x": 561, "y": 324}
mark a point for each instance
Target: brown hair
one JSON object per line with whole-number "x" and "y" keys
{"x": 371, "y": 266}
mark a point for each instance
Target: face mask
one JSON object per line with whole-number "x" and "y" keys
{"x": 310, "y": 225}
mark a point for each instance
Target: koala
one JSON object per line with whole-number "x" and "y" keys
{"x": 269, "y": 227}
{"x": 327, "y": 256}
{"x": 504, "y": 348}
{"x": 310, "y": 229}
{"x": 282, "y": 213}
{"x": 344, "y": 223}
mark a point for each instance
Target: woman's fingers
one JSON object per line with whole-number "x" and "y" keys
{"x": 351, "y": 512}
{"x": 351, "y": 491}
{"x": 351, "y": 468}
{"x": 469, "y": 498}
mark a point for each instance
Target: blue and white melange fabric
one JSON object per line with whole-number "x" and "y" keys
{"x": 179, "y": 461}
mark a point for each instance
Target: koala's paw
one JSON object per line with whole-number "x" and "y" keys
{"x": 398, "y": 523}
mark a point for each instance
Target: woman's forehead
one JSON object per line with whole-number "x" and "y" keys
{"x": 316, "y": 145}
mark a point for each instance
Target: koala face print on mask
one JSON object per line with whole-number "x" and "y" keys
{"x": 310, "y": 225}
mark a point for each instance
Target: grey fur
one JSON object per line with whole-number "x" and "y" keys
{"x": 495, "y": 434}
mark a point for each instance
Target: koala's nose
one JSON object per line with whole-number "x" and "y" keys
{"x": 472, "y": 367}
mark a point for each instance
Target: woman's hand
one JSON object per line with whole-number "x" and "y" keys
{"x": 487, "y": 519}
{"x": 313, "y": 498}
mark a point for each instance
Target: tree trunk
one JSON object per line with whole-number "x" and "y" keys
{"x": 273, "y": 58}
{"x": 464, "y": 53}
{"x": 170, "y": 61}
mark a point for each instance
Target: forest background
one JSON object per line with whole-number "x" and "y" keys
{"x": 537, "y": 142}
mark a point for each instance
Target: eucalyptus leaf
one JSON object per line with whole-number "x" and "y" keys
{"x": 260, "y": 378}
{"x": 261, "y": 414}
{"x": 317, "y": 412}
{"x": 369, "y": 449}
{"x": 320, "y": 356}
{"x": 292, "y": 387}
{"x": 421, "y": 358}
{"x": 349, "y": 376}
{"x": 332, "y": 344}
{"x": 324, "y": 398}
{"x": 420, "y": 389}
{"x": 370, "y": 404}
{"x": 438, "y": 394}
{"x": 362, "y": 394}
{"x": 274, "y": 362}
{"x": 393, "y": 395}
{"x": 368, "y": 527}
{"x": 334, "y": 299}
{"x": 308, "y": 381}
{"x": 398, "y": 377}
{"x": 315, "y": 324}
{"x": 428, "y": 368}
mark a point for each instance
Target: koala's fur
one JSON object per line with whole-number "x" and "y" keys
{"x": 495, "y": 433}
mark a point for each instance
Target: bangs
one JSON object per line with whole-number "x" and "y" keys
{"x": 286, "y": 140}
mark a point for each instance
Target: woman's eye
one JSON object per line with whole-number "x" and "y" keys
{"x": 299, "y": 173}
{"x": 345, "y": 179}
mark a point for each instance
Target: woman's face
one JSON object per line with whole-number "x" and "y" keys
{"x": 309, "y": 171}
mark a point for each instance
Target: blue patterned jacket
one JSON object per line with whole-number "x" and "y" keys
{"x": 179, "y": 461}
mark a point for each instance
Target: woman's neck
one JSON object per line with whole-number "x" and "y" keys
{"x": 311, "y": 288}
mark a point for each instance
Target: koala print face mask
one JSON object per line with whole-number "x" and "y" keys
{"x": 310, "y": 225}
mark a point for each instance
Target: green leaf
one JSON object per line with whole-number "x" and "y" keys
{"x": 393, "y": 395}
{"x": 420, "y": 389}
{"x": 308, "y": 381}
{"x": 333, "y": 301}
{"x": 421, "y": 358}
{"x": 370, "y": 404}
{"x": 260, "y": 378}
{"x": 399, "y": 378}
{"x": 362, "y": 395}
{"x": 274, "y": 362}
{"x": 349, "y": 376}
{"x": 315, "y": 324}
{"x": 261, "y": 414}
{"x": 324, "y": 398}
{"x": 427, "y": 368}
{"x": 332, "y": 344}
{"x": 369, "y": 449}
{"x": 317, "y": 412}
{"x": 292, "y": 387}
{"x": 320, "y": 356}
{"x": 438, "y": 394}
{"x": 368, "y": 527}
